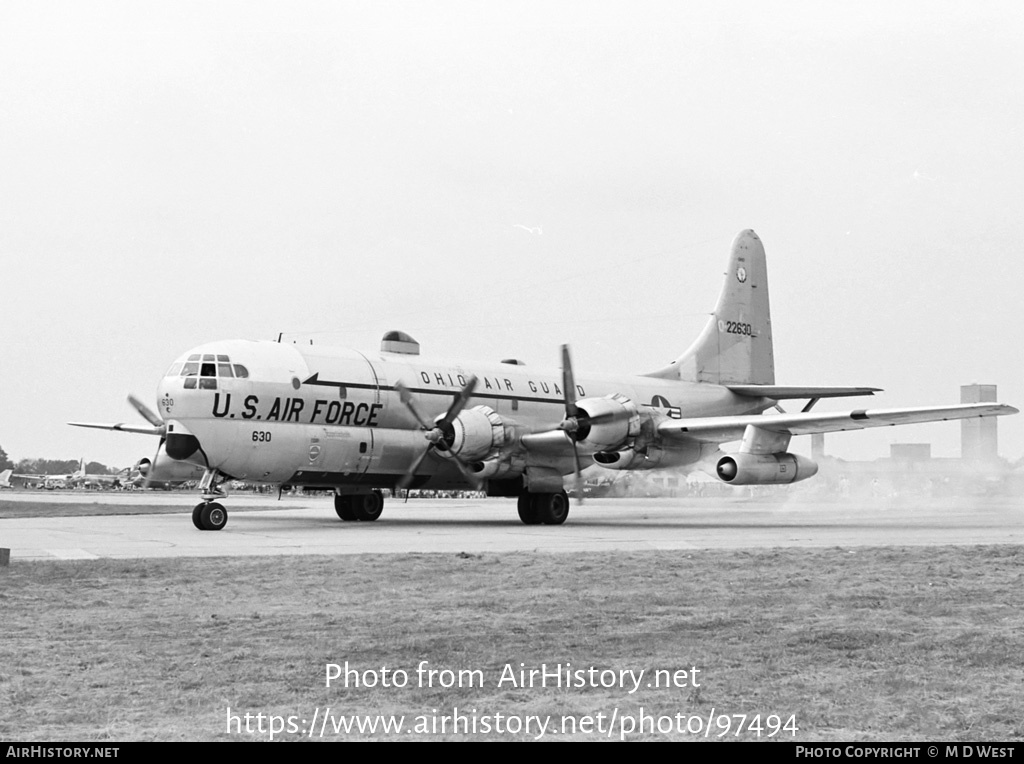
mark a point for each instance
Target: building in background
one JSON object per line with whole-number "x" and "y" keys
{"x": 979, "y": 442}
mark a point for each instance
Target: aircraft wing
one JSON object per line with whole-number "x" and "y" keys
{"x": 726, "y": 428}
{"x": 786, "y": 392}
{"x": 121, "y": 427}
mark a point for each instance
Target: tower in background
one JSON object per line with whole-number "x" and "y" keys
{"x": 978, "y": 438}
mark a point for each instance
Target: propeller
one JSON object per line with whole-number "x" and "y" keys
{"x": 146, "y": 413}
{"x": 571, "y": 424}
{"x": 439, "y": 434}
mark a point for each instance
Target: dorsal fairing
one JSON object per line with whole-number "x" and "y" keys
{"x": 735, "y": 346}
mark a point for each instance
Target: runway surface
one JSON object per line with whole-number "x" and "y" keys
{"x": 308, "y": 525}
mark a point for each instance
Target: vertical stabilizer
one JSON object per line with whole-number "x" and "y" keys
{"x": 736, "y": 345}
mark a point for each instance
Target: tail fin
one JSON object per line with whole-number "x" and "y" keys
{"x": 736, "y": 345}
{"x": 5, "y": 478}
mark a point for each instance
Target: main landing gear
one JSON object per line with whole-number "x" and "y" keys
{"x": 359, "y": 506}
{"x": 543, "y": 508}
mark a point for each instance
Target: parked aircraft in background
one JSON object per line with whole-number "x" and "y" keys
{"x": 361, "y": 422}
{"x": 165, "y": 473}
{"x": 76, "y": 479}
{"x": 50, "y": 481}
{"x": 87, "y": 480}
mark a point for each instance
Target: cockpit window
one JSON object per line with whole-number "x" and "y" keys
{"x": 207, "y": 366}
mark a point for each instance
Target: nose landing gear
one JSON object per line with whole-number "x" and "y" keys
{"x": 210, "y": 515}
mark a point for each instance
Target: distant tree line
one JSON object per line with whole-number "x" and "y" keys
{"x": 52, "y": 466}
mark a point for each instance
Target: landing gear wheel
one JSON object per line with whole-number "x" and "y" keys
{"x": 528, "y": 512}
{"x": 368, "y": 506}
{"x": 197, "y": 519}
{"x": 554, "y": 507}
{"x": 343, "y": 506}
{"x": 213, "y": 516}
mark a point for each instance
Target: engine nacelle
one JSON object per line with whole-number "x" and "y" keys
{"x": 652, "y": 458}
{"x": 476, "y": 432}
{"x": 617, "y": 420}
{"x": 495, "y": 468}
{"x": 764, "y": 469}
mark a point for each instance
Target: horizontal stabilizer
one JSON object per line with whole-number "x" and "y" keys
{"x": 726, "y": 428}
{"x": 785, "y": 392}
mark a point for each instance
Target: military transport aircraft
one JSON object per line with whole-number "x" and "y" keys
{"x": 361, "y": 422}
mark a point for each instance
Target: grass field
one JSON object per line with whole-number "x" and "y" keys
{"x": 859, "y": 645}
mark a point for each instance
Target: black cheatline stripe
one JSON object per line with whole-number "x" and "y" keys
{"x": 431, "y": 391}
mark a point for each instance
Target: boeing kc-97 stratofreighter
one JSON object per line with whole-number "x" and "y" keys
{"x": 359, "y": 422}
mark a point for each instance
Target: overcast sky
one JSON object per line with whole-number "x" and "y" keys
{"x": 500, "y": 178}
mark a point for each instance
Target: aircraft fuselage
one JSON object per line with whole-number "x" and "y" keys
{"x": 309, "y": 415}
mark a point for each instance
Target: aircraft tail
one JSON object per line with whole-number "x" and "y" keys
{"x": 735, "y": 346}
{"x": 5, "y": 478}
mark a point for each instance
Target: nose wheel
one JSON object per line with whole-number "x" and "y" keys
{"x": 209, "y": 516}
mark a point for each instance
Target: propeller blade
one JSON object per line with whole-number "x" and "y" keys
{"x": 407, "y": 478}
{"x": 579, "y": 474}
{"x": 458, "y": 404}
{"x": 568, "y": 385}
{"x": 467, "y": 473}
{"x": 405, "y": 395}
{"x": 148, "y": 474}
{"x": 145, "y": 412}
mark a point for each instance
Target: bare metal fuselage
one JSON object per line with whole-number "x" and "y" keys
{"x": 310, "y": 415}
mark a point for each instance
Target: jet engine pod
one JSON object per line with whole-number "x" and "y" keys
{"x": 475, "y": 433}
{"x": 764, "y": 469}
{"x": 606, "y": 423}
